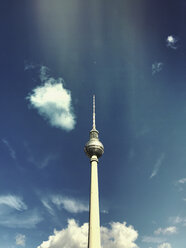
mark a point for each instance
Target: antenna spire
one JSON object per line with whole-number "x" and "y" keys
{"x": 94, "y": 113}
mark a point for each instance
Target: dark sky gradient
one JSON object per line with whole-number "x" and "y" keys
{"x": 106, "y": 48}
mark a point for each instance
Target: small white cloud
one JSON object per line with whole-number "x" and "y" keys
{"x": 69, "y": 204}
{"x": 41, "y": 162}
{"x": 178, "y": 220}
{"x": 152, "y": 239}
{"x": 26, "y": 219}
{"x": 13, "y": 201}
{"x": 172, "y": 42}
{"x": 165, "y": 245}
{"x": 48, "y": 206}
{"x": 157, "y": 67}
{"x": 20, "y": 239}
{"x": 117, "y": 236}
{"x": 182, "y": 181}
{"x": 47, "y": 160}
{"x": 166, "y": 231}
{"x": 11, "y": 150}
{"x": 53, "y": 101}
{"x": 157, "y": 165}
{"x": 104, "y": 211}
{"x": 29, "y": 66}
{"x": 15, "y": 214}
{"x": 44, "y": 73}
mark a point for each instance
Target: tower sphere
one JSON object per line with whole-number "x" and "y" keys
{"x": 94, "y": 146}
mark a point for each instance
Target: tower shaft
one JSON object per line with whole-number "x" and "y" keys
{"x": 94, "y": 218}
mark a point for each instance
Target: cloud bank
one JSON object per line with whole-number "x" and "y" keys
{"x": 53, "y": 101}
{"x": 75, "y": 236}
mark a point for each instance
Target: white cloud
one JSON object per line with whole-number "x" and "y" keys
{"x": 119, "y": 236}
{"x": 180, "y": 183}
{"x": 172, "y": 42}
{"x": 168, "y": 230}
{"x": 20, "y": 239}
{"x": 26, "y": 219}
{"x": 47, "y": 206}
{"x": 157, "y": 165}
{"x": 29, "y": 66}
{"x": 11, "y": 150}
{"x": 151, "y": 239}
{"x": 104, "y": 211}
{"x": 53, "y": 101}
{"x": 47, "y": 160}
{"x": 178, "y": 220}
{"x": 44, "y": 73}
{"x": 13, "y": 201}
{"x": 71, "y": 237}
{"x": 157, "y": 67}
{"x": 14, "y": 213}
{"x": 69, "y": 204}
{"x": 182, "y": 180}
{"x": 164, "y": 245}
{"x": 41, "y": 162}
{"x": 75, "y": 236}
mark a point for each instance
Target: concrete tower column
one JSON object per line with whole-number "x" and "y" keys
{"x": 94, "y": 219}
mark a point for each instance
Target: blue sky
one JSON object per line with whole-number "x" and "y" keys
{"x": 54, "y": 56}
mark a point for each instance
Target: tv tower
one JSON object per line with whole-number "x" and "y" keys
{"x": 94, "y": 149}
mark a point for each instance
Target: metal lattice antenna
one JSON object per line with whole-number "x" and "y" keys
{"x": 94, "y": 113}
